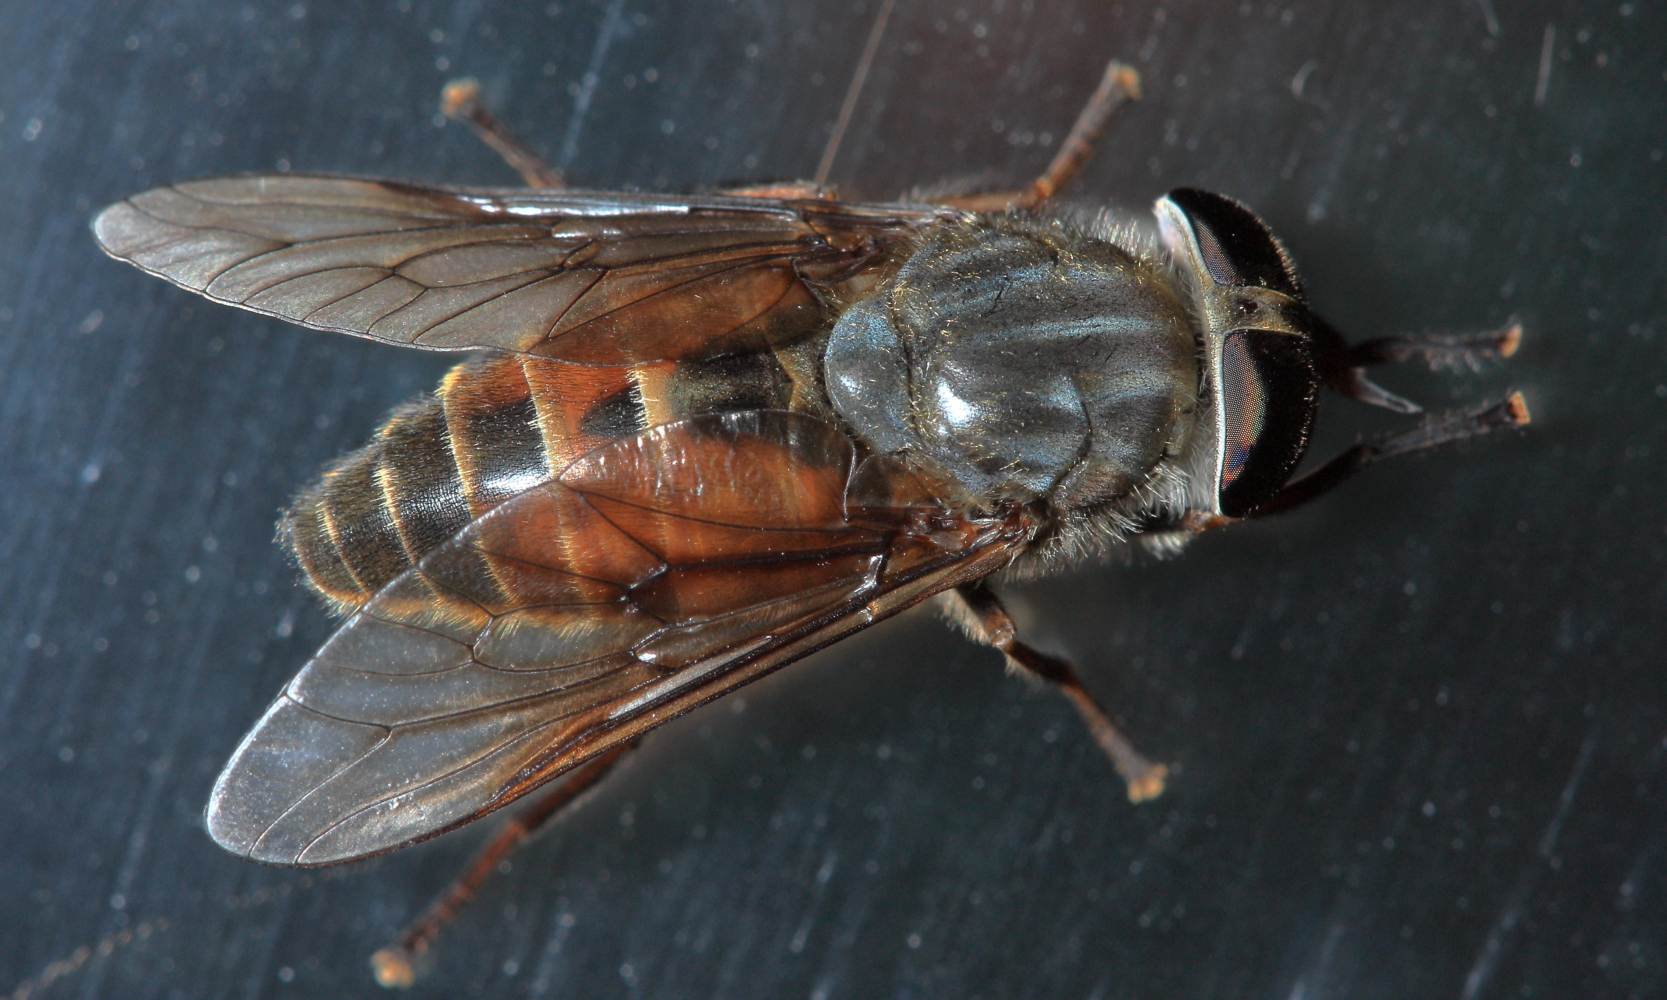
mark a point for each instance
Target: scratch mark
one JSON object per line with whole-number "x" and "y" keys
{"x": 830, "y": 862}
{"x": 1545, "y": 65}
{"x": 1301, "y": 79}
{"x": 587, "y": 85}
{"x": 1489, "y": 16}
{"x": 552, "y": 950}
{"x": 1498, "y": 937}
{"x": 1322, "y": 966}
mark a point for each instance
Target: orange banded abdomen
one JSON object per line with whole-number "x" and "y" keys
{"x": 496, "y": 427}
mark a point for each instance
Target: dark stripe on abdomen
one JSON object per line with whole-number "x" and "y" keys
{"x": 342, "y": 532}
{"x": 419, "y": 478}
{"x": 498, "y": 426}
{"x": 495, "y": 437}
{"x": 433, "y": 467}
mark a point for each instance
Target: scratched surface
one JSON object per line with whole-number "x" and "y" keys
{"x": 1419, "y": 725}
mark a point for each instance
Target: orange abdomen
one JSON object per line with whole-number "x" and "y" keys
{"x": 495, "y": 428}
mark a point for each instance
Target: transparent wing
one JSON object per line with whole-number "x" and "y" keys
{"x": 656, "y": 573}
{"x": 587, "y": 277}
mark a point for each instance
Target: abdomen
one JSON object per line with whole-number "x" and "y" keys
{"x": 496, "y": 427}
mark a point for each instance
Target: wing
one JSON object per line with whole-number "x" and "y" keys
{"x": 656, "y": 573}
{"x": 586, "y": 277}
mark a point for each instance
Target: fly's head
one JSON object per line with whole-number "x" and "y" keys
{"x": 1259, "y": 380}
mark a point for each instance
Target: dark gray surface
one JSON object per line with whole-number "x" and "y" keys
{"x": 1419, "y": 724}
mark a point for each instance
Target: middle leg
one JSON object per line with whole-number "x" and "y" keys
{"x": 982, "y": 615}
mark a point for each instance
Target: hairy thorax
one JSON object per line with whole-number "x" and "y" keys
{"x": 1019, "y": 361}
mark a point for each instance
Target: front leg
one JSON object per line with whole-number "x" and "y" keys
{"x": 1119, "y": 85}
{"x": 979, "y": 611}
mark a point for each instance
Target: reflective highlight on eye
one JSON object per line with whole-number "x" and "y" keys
{"x": 1246, "y": 406}
{"x": 1269, "y": 391}
{"x": 1216, "y": 261}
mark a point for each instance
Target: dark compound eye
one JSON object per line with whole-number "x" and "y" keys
{"x": 1216, "y": 259}
{"x": 1247, "y": 408}
{"x": 1237, "y": 248}
{"x": 1269, "y": 392}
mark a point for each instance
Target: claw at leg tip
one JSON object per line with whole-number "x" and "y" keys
{"x": 393, "y": 969}
{"x": 1510, "y": 339}
{"x": 1129, "y": 80}
{"x": 1149, "y": 785}
{"x": 456, "y": 94}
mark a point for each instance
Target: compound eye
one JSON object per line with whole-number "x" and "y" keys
{"x": 1269, "y": 392}
{"x": 1234, "y": 246}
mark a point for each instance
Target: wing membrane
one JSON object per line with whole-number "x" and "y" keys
{"x": 654, "y": 574}
{"x": 585, "y": 277}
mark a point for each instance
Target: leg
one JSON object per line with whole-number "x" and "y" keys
{"x": 1343, "y": 365}
{"x": 398, "y": 964}
{"x": 460, "y": 101}
{"x": 1512, "y": 412}
{"x": 986, "y": 620}
{"x": 1441, "y": 350}
{"x": 1118, "y": 86}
